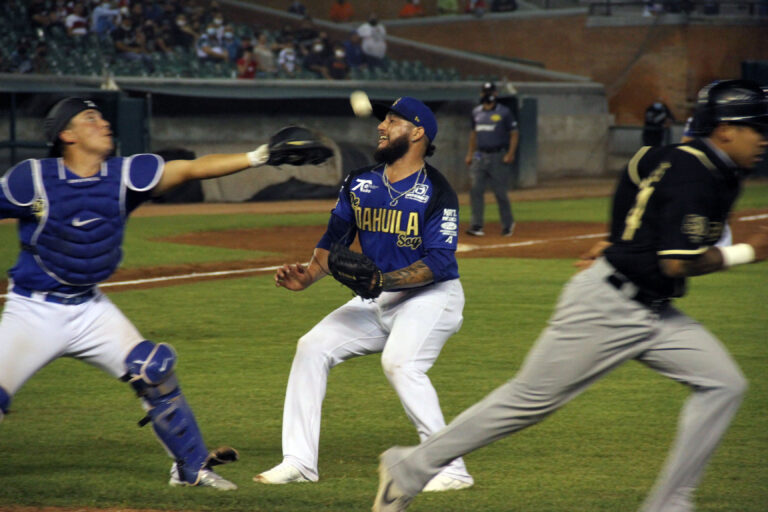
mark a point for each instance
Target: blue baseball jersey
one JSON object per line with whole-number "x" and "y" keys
{"x": 397, "y": 225}
{"x": 71, "y": 227}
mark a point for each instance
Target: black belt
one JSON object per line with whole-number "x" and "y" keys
{"x": 648, "y": 299}
{"x": 493, "y": 149}
{"x": 56, "y": 299}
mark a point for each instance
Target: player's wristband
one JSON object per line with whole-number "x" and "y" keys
{"x": 738, "y": 254}
{"x": 258, "y": 156}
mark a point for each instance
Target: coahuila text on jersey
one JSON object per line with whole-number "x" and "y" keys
{"x": 384, "y": 220}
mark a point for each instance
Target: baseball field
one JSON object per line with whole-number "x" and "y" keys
{"x": 199, "y": 277}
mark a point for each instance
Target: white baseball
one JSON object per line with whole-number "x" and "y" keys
{"x": 361, "y": 105}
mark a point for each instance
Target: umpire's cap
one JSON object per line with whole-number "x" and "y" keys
{"x": 731, "y": 101}
{"x": 412, "y": 110}
{"x": 488, "y": 87}
{"x": 59, "y": 116}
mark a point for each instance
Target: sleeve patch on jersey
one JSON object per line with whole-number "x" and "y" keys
{"x": 18, "y": 184}
{"x": 142, "y": 172}
{"x": 695, "y": 227}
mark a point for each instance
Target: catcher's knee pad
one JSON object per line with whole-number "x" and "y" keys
{"x": 5, "y": 402}
{"x": 150, "y": 373}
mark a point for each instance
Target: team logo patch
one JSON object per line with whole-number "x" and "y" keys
{"x": 449, "y": 228}
{"x": 696, "y": 227}
{"x": 364, "y": 185}
{"x": 419, "y": 193}
{"x": 495, "y": 118}
{"x": 39, "y": 208}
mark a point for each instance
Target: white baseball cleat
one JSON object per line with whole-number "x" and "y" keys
{"x": 389, "y": 498}
{"x": 443, "y": 482}
{"x": 207, "y": 479}
{"x": 283, "y": 473}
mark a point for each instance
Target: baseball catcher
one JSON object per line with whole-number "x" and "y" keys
{"x": 292, "y": 145}
{"x": 355, "y": 271}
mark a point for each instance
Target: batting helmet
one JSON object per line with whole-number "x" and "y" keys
{"x": 731, "y": 101}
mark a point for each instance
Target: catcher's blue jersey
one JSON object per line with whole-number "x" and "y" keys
{"x": 70, "y": 227}
{"x": 399, "y": 224}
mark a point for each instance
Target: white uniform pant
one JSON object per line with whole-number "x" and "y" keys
{"x": 409, "y": 328}
{"x": 594, "y": 329}
{"x": 34, "y": 332}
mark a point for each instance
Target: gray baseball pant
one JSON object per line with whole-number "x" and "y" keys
{"x": 489, "y": 169}
{"x": 593, "y": 330}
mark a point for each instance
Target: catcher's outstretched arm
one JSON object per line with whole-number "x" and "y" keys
{"x": 415, "y": 274}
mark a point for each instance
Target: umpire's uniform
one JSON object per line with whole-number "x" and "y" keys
{"x": 492, "y": 131}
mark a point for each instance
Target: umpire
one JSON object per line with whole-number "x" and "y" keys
{"x": 491, "y": 152}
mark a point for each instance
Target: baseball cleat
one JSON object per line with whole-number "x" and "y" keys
{"x": 443, "y": 482}
{"x": 508, "y": 231}
{"x": 283, "y": 473}
{"x": 207, "y": 479}
{"x": 389, "y": 497}
{"x": 476, "y": 231}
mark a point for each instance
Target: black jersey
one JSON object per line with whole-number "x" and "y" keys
{"x": 671, "y": 202}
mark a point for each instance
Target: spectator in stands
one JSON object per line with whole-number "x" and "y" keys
{"x": 304, "y": 36}
{"x": 104, "y": 17}
{"x": 265, "y": 54}
{"x": 171, "y": 9}
{"x": 656, "y": 125}
{"x": 247, "y": 64}
{"x": 231, "y": 43}
{"x": 374, "y": 41}
{"x": 154, "y": 42}
{"x": 476, "y": 7}
{"x": 447, "y": 7}
{"x": 316, "y": 61}
{"x": 183, "y": 34}
{"x": 218, "y": 21}
{"x": 353, "y": 51}
{"x": 39, "y": 14}
{"x": 341, "y": 11}
{"x": 503, "y": 5}
{"x": 210, "y": 48}
{"x": 297, "y": 7}
{"x": 411, "y": 9}
{"x": 338, "y": 69}
{"x": 286, "y": 59}
{"x": 130, "y": 43}
{"x": 152, "y": 10}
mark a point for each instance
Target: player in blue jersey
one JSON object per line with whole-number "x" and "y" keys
{"x": 405, "y": 215}
{"x": 71, "y": 210}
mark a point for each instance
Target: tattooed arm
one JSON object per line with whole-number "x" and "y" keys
{"x": 416, "y": 274}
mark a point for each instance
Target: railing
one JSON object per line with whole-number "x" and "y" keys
{"x": 707, "y": 7}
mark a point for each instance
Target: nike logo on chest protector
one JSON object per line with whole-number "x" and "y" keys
{"x": 77, "y": 222}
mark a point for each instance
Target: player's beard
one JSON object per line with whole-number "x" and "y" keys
{"x": 393, "y": 151}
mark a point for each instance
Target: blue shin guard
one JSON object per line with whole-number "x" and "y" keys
{"x": 150, "y": 370}
{"x": 5, "y": 402}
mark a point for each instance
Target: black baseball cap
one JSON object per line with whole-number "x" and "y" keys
{"x": 63, "y": 112}
{"x": 488, "y": 87}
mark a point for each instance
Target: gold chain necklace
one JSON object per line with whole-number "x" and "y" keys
{"x": 393, "y": 199}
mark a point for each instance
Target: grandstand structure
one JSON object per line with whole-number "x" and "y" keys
{"x": 576, "y": 74}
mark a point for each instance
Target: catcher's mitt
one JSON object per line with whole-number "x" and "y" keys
{"x": 355, "y": 271}
{"x": 294, "y": 145}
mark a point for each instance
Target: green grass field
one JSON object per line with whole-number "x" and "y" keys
{"x": 72, "y": 439}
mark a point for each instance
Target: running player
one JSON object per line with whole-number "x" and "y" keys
{"x": 406, "y": 217}
{"x": 668, "y": 212}
{"x": 72, "y": 209}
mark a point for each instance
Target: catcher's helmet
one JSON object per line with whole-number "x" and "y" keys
{"x": 731, "y": 101}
